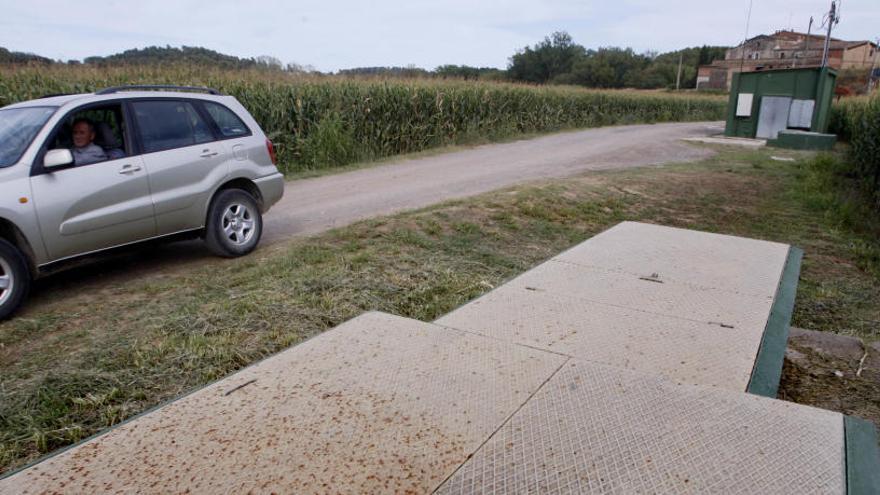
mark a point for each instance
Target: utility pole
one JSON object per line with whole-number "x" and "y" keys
{"x": 742, "y": 59}
{"x": 873, "y": 64}
{"x": 832, "y": 19}
{"x": 678, "y": 77}
{"x": 807, "y": 43}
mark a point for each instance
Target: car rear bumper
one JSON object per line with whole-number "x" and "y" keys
{"x": 271, "y": 189}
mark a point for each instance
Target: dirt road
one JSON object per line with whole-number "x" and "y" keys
{"x": 313, "y": 205}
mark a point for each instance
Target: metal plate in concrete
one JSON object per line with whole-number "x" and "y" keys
{"x": 379, "y": 404}
{"x": 701, "y": 259}
{"x": 598, "y": 429}
{"x": 679, "y": 349}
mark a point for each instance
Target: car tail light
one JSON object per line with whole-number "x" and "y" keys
{"x": 271, "y": 148}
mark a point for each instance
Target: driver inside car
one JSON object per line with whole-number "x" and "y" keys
{"x": 84, "y": 150}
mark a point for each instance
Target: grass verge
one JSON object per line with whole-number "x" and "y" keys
{"x": 92, "y": 355}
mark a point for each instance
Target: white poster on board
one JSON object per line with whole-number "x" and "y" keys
{"x": 744, "y": 104}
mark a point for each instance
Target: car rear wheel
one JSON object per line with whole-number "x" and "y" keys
{"x": 15, "y": 279}
{"x": 234, "y": 224}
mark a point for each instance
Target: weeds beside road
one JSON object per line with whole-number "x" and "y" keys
{"x": 857, "y": 121}
{"x": 87, "y": 356}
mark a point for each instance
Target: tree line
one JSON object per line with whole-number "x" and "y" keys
{"x": 190, "y": 55}
{"x": 559, "y": 60}
{"x": 10, "y": 57}
{"x": 448, "y": 71}
{"x": 555, "y": 60}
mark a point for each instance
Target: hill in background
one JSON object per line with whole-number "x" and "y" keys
{"x": 556, "y": 60}
{"x": 8, "y": 57}
{"x": 166, "y": 55}
{"x": 154, "y": 55}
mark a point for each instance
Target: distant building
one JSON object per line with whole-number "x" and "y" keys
{"x": 785, "y": 50}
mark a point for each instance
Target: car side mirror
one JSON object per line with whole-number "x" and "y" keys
{"x": 57, "y": 158}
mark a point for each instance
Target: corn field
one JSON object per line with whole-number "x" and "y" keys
{"x": 857, "y": 120}
{"x": 319, "y": 122}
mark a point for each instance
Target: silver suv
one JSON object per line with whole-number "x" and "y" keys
{"x": 84, "y": 173}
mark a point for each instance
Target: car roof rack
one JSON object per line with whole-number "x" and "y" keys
{"x": 53, "y": 95}
{"x": 156, "y": 87}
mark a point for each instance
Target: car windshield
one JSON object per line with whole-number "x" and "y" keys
{"x": 18, "y": 126}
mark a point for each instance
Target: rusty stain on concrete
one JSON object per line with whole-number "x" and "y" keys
{"x": 379, "y": 404}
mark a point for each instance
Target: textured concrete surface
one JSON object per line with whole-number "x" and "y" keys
{"x": 598, "y": 429}
{"x": 680, "y": 349}
{"x": 691, "y": 306}
{"x": 384, "y": 404}
{"x": 700, "y": 259}
{"x": 670, "y": 298}
{"x": 314, "y": 205}
{"x": 586, "y": 374}
{"x": 379, "y": 404}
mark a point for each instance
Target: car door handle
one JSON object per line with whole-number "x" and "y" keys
{"x": 208, "y": 153}
{"x": 129, "y": 169}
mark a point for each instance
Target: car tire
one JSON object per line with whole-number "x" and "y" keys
{"x": 15, "y": 279}
{"x": 234, "y": 224}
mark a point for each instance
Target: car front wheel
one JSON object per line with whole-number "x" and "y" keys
{"x": 15, "y": 279}
{"x": 234, "y": 224}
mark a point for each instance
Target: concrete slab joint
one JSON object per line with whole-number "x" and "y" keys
{"x": 618, "y": 366}
{"x": 690, "y": 306}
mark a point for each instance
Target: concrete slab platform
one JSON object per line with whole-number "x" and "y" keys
{"x": 699, "y": 259}
{"x": 690, "y": 306}
{"x": 379, "y": 404}
{"x": 670, "y": 298}
{"x": 586, "y": 374}
{"x": 679, "y": 349}
{"x": 599, "y": 429}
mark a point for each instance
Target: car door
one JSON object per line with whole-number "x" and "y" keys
{"x": 185, "y": 159}
{"x": 85, "y": 208}
{"x": 232, "y": 130}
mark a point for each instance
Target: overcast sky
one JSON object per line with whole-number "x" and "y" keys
{"x": 337, "y": 34}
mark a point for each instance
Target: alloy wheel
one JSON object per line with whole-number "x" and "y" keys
{"x": 7, "y": 281}
{"x": 238, "y": 224}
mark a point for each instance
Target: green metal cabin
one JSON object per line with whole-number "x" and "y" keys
{"x": 762, "y": 104}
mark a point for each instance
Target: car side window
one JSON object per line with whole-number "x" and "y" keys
{"x": 167, "y": 124}
{"x": 93, "y": 134}
{"x": 229, "y": 124}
